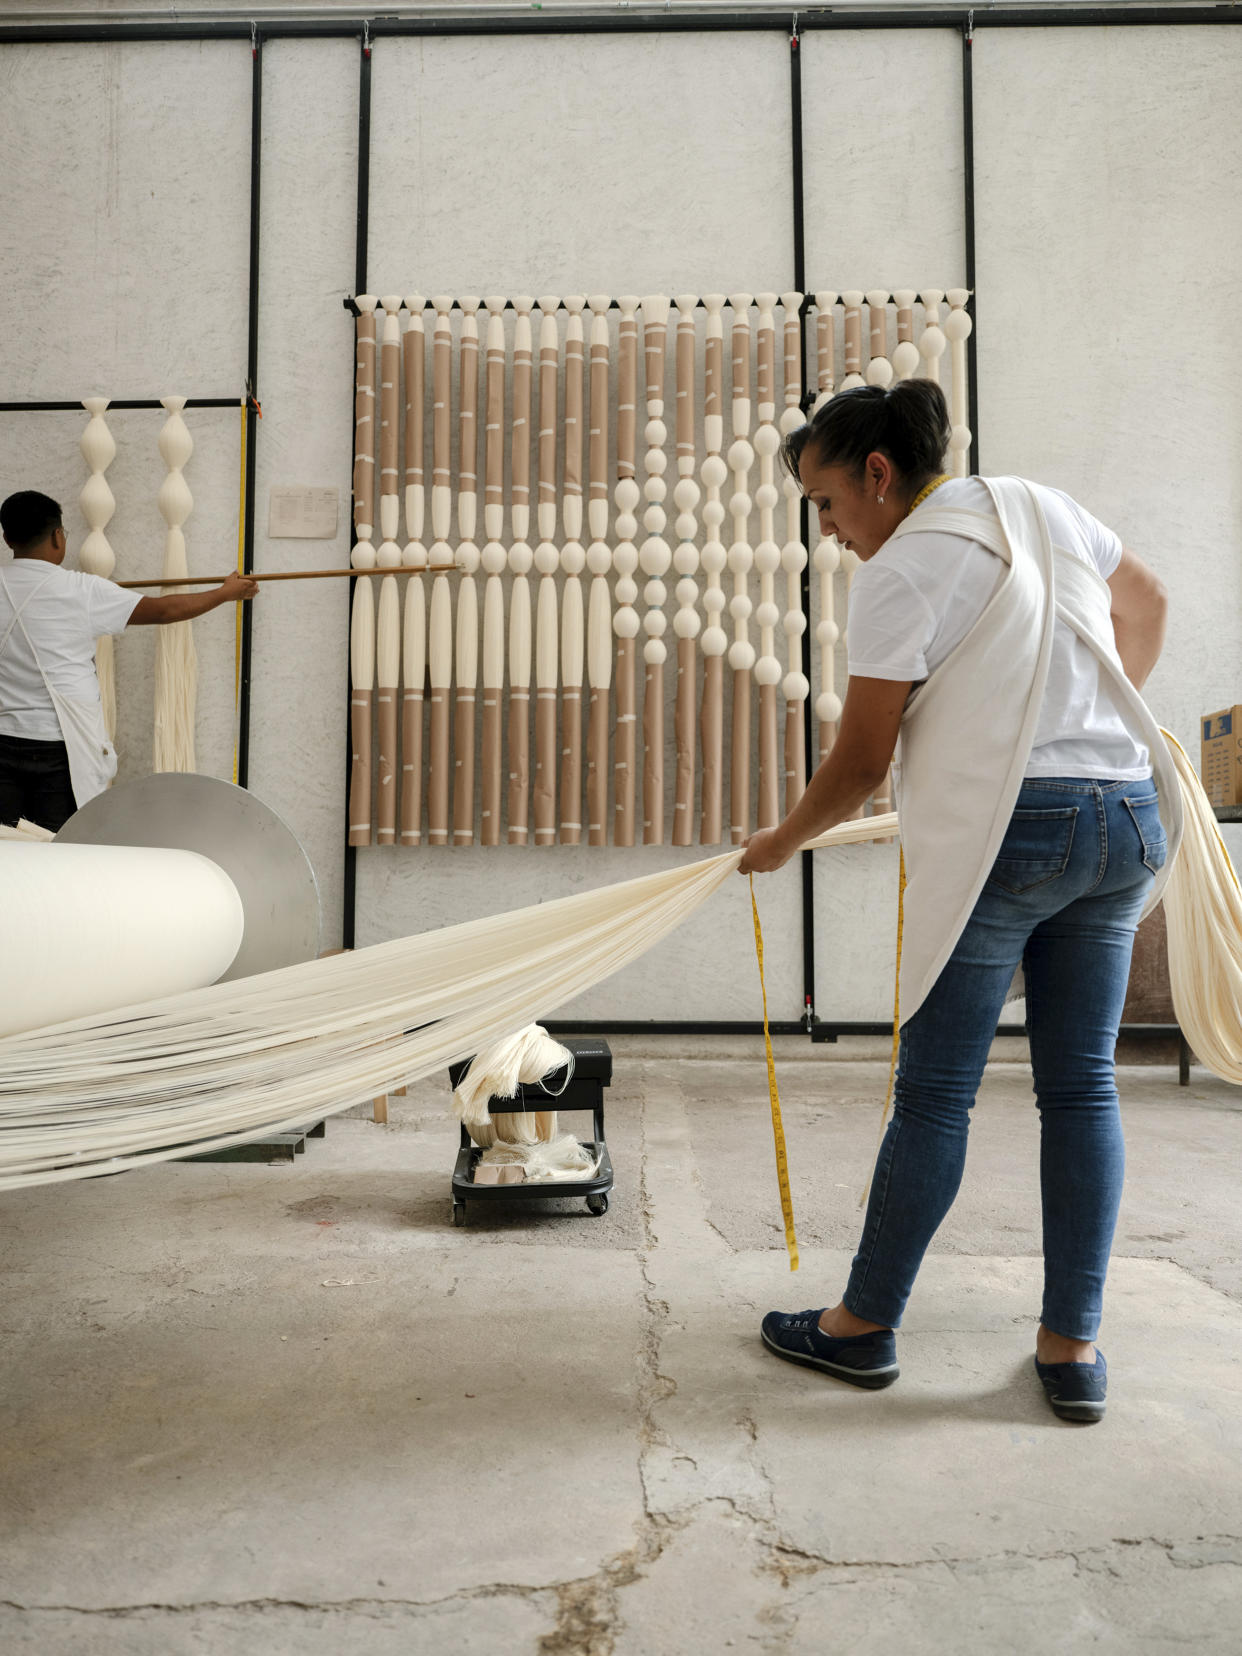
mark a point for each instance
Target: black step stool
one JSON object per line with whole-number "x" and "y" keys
{"x": 592, "y": 1072}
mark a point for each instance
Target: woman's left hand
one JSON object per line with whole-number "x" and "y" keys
{"x": 764, "y": 852}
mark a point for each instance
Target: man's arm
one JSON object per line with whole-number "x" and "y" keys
{"x": 184, "y": 606}
{"x": 870, "y": 722}
{"x": 1139, "y": 606}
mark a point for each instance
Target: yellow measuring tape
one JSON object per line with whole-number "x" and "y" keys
{"x": 778, "y": 1131}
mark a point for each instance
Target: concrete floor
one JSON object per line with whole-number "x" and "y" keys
{"x": 290, "y": 1411}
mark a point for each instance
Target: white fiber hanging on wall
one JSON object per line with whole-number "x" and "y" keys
{"x": 96, "y": 557}
{"x": 176, "y": 664}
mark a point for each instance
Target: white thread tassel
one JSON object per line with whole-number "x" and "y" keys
{"x": 176, "y": 663}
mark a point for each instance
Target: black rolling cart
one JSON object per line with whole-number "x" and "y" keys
{"x": 592, "y": 1072}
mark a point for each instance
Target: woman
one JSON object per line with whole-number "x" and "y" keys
{"x": 1003, "y": 633}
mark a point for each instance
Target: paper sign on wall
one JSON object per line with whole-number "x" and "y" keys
{"x": 302, "y": 513}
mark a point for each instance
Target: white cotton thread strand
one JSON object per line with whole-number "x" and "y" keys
{"x": 625, "y": 619}
{"x": 879, "y": 368}
{"x": 686, "y": 624}
{"x": 595, "y": 649}
{"x": 795, "y": 686}
{"x": 217, "y": 1066}
{"x": 932, "y": 342}
{"x": 825, "y": 346}
{"x": 547, "y": 564}
{"x": 957, "y": 330}
{"x": 95, "y": 555}
{"x": 852, "y": 300}
{"x": 1203, "y": 908}
{"x": 654, "y": 557}
{"x": 767, "y": 668}
{"x": 495, "y": 560}
{"x": 714, "y": 558}
{"x": 467, "y": 559}
{"x": 176, "y": 661}
{"x": 741, "y": 561}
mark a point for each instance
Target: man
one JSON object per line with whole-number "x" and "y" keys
{"x": 55, "y": 752}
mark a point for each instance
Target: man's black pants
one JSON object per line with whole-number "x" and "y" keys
{"x": 34, "y": 782}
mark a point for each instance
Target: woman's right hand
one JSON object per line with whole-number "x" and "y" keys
{"x": 764, "y": 852}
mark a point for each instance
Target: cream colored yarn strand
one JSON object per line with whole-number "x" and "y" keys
{"x": 1203, "y": 908}
{"x": 217, "y": 1066}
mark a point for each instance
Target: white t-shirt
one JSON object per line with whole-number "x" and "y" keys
{"x": 919, "y": 596}
{"x": 64, "y": 619}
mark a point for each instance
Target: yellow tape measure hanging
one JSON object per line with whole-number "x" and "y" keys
{"x": 778, "y": 1131}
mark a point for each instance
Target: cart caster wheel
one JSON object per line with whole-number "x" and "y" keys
{"x": 598, "y": 1205}
{"x": 459, "y": 1213}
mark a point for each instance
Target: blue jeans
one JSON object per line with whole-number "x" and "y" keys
{"x": 1063, "y": 899}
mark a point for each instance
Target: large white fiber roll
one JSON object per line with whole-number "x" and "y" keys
{"x": 89, "y": 928}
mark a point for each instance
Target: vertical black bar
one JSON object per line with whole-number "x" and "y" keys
{"x": 349, "y": 904}
{"x": 968, "y": 184}
{"x": 364, "y": 166}
{"x": 799, "y": 258}
{"x": 252, "y": 404}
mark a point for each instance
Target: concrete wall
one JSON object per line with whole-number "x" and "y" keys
{"x": 1108, "y": 185}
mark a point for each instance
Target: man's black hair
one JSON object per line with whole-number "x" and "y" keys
{"x": 28, "y": 517}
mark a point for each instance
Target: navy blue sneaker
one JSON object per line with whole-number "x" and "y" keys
{"x": 1076, "y": 1391}
{"x": 863, "y": 1359}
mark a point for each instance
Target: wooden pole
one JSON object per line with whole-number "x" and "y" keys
{"x": 282, "y": 575}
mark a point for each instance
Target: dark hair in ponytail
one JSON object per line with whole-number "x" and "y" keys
{"x": 909, "y": 422}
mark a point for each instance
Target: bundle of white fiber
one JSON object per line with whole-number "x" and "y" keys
{"x": 500, "y": 1068}
{"x": 218, "y": 1066}
{"x": 25, "y": 831}
{"x": 176, "y": 678}
{"x": 1203, "y": 908}
{"x": 176, "y": 663}
{"x": 497, "y": 1072}
{"x": 561, "y": 1158}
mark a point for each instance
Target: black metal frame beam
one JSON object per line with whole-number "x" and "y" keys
{"x": 806, "y": 859}
{"x": 252, "y": 405}
{"x": 114, "y": 403}
{"x": 622, "y": 23}
{"x": 362, "y": 223}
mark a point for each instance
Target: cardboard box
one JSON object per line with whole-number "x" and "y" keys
{"x": 1221, "y": 756}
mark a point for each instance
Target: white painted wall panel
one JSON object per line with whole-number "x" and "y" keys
{"x": 581, "y": 164}
{"x": 301, "y": 630}
{"x": 882, "y": 136}
{"x": 124, "y": 195}
{"x": 1109, "y": 190}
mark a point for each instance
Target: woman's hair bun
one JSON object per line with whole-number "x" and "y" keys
{"x": 908, "y": 421}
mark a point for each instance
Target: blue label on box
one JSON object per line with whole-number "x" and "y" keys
{"x": 1220, "y": 725}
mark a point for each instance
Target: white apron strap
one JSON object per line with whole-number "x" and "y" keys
{"x": 17, "y": 612}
